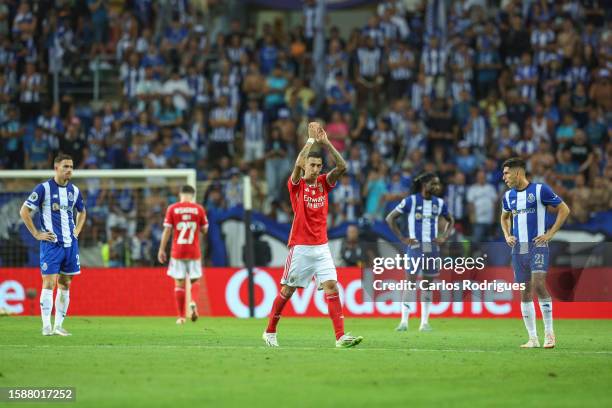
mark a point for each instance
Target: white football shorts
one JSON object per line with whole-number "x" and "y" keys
{"x": 178, "y": 268}
{"x": 307, "y": 261}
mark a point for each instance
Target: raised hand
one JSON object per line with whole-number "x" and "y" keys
{"x": 313, "y": 129}
{"x": 321, "y": 136}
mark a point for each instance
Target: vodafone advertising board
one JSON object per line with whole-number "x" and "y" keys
{"x": 224, "y": 292}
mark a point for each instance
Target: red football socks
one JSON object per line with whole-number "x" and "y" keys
{"x": 277, "y": 308}
{"x": 335, "y": 313}
{"x": 179, "y": 294}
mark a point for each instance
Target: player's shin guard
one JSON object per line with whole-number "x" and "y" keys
{"x": 528, "y": 310}
{"x": 277, "y": 309}
{"x": 335, "y": 313}
{"x": 546, "y": 309}
{"x": 179, "y": 295}
{"x": 62, "y": 300}
{"x": 426, "y": 297}
{"x": 46, "y": 305}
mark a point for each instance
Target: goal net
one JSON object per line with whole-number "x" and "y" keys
{"x": 125, "y": 210}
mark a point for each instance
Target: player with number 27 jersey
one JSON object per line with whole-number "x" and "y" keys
{"x": 186, "y": 219}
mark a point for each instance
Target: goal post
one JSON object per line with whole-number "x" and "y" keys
{"x": 189, "y": 175}
{"x": 125, "y": 210}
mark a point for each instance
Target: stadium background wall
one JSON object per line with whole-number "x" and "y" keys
{"x": 148, "y": 292}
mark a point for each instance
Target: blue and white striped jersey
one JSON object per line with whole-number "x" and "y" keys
{"x": 528, "y": 208}
{"x": 56, "y": 205}
{"x": 422, "y": 215}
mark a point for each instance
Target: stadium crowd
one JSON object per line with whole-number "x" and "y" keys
{"x": 403, "y": 94}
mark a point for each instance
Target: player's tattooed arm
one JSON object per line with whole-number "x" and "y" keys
{"x": 26, "y": 216}
{"x": 340, "y": 169}
{"x": 300, "y": 162}
{"x": 390, "y": 219}
{"x": 80, "y": 222}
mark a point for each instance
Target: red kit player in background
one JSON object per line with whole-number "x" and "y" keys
{"x": 187, "y": 219}
{"x": 309, "y": 254}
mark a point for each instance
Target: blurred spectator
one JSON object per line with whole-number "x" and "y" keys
{"x": 475, "y": 131}
{"x": 253, "y": 125}
{"x": 580, "y": 197}
{"x": 259, "y": 190}
{"x": 232, "y": 190}
{"x": 99, "y": 18}
{"x": 466, "y": 161}
{"x": 433, "y": 64}
{"x": 566, "y": 131}
{"x": 566, "y": 169}
{"x": 581, "y": 152}
{"x": 482, "y": 199}
{"x": 601, "y": 194}
{"x": 368, "y": 69}
{"x": 148, "y": 90}
{"x": 374, "y": 193}
{"x": 38, "y": 152}
{"x": 488, "y": 64}
{"x": 456, "y": 197}
{"x": 299, "y": 97}
{"x": 340, "y": 94}
{"x": 75, "y": 144}
{"x": 30, "y": 87}
{"x": 401, "y": 63}
{"x": 96, "y": 141}
{"x": 276, "y": 84}
{"x": 222, "y": 123}
{"x": 526, "y": 147}
{"x": 277, "y": 166}
{"x": 338, "y": 131}
{"x": 595, "y": 127}
{"x": 352, "y": 251}
{"x": 118, "y": 247}
{"x": 178, "y": 88}
{"x": 346, "y": 200}
{"x": 384, "y": 139}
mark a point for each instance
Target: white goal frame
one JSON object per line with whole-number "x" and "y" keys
{"x": 190, "y": 175}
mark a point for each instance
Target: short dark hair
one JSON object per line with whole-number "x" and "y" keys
{"x": 316, "y": 154}
{"x": 61, "y": 157}
{"x": 515, "y": 162}
{"x": 187, "y": 189}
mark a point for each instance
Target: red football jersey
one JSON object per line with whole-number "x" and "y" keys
{"x": 186, "y": 219}
{"x": 309, "y": 204}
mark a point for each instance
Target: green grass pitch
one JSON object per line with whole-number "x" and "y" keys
{"x": 221, "y": 362}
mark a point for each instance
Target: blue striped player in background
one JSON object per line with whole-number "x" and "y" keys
{"x": 422, "y": 210}
{"x": 523, "y": 221}
{"x": 56, "y": 199}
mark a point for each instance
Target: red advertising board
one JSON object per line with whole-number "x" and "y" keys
{"x": 149, "y": 292}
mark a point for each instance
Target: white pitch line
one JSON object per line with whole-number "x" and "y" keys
{"x": 299, "y": 348}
